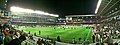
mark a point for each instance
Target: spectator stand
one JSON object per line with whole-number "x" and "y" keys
{"x": 34, "y": 41}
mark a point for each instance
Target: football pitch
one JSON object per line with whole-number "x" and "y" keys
{"x": 66, "y": 33}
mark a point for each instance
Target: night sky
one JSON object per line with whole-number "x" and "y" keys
{"x": 61, "y": 7}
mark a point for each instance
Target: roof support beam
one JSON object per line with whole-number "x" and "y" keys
{"x": 114, "y": 13}
{"x": 111, "y": 7}
{"x": 105, "y": 6}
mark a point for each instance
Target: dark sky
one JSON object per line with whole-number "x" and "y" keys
{"x": 61, "y": 7}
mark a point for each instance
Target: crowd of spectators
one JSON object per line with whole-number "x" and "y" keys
{"x": 9, "y": 36}
{"x": 105, "y": 35}
{"x": 12, "y": 36}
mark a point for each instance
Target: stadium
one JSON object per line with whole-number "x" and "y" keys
{"x": 52, "y": 28}
{"x": 73, "y": 22}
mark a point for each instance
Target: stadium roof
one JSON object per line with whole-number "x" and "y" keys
{"x": 63, "y": 8}
{"x": 3, "y": 4}
{"x": 78, "y": 15}
{"x": 109, "y": 8}
{"x": 60, "y": 7}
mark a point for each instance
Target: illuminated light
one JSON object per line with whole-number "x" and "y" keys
{"x": 112, "y": 10}
{"x": 70, "y": 18}
{"x": 98, "y": 5}
{"x": 18, "y": 9}
{"x": 6, "y": 1}
{"x": 78, "y": 19}
{"x": 45, "y": 13}
{"x": 67, "y": 18}
{"x": 54, "y": 15}
{"x": 63, "y": 21}
{"x": 40, "y": 12}
{"x": 115, "y": 8}
{"x": 79, "y": 15}
{"x": 5, "y": 4}
{"x": 29, "y": 11}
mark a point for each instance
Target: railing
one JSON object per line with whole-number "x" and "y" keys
{"x": 31, "y": 42}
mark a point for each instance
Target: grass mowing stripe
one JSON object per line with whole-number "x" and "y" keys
{"x": 67, "y": 34}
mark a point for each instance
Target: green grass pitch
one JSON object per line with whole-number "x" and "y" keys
{"x": 66, "y": 34}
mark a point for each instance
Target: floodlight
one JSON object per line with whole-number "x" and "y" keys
{"x": 18, "y": 9}
{"x": 39, "y": 12}
{"x": 98, "y": 5}
{"x": 6, "y": 1}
